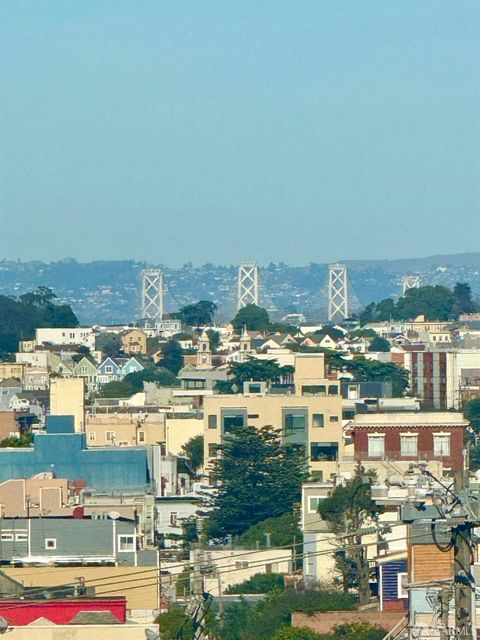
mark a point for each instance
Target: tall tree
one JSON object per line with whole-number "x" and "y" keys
{"x": 379, "y": 344}
{"x": 253, "y": 317}
{"x": 257, "y": 476}
{"x": 172, "y": 356}
{"x": 199, "y": 313}
{"x": 346, "y": 510}
{"x": 193, "y": 451}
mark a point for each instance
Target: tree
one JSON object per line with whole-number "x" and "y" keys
{"x": 295, "y": 633}
{"x": 258, "y": 477}
{"x": 133, "y": 382}
{"x": 257, "y": 370}
{"x": 251, "y": 316}
{"x": 172, "y": 622}
{"x": 362, "y": 630}
{"x": 193, "y": 451}
{"x": 346, "y": 509}
{"x": 364, "y": 370}
{"x": 379, "y": 344}
{"x": 214, "y": 337}
{"x": 172, "y": 356}
{"x": 471, "y": 410}
{"x": 110, "y": 344}
{"x": 284, "y": 531}
{"x": 462, "y": 299}
{"x": 22, "y": 440}
{"x": 200, "y": 313}
{"x": 259, "y": 583}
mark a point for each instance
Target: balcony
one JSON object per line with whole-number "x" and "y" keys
{"x": 398, "y": 456}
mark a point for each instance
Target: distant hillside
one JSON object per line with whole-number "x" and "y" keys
{"x": 109, "y": 291}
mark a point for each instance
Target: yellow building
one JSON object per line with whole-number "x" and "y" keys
{"x": 125, "y": 429}
{"x": 311, "y": 418}
{"x": 67, "y": 398}
{"x": 12, "y": 370}
{"x": 134, "y": 341}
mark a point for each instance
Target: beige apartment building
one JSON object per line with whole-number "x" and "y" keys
{"x": 67, "y": 398}
{"x": 12, "y": 370}
{"x": 125, "y": 429}
{"x": 311, "y": 418}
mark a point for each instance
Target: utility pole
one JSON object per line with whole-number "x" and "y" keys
{"x": 463, "y": 579}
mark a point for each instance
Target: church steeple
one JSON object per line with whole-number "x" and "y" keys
{"x": 204, "y": 354}
{"x": 245, "y": 344}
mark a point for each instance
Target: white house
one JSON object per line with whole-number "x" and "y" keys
{"x": 83, "y": 336}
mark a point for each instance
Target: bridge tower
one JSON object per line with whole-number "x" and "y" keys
{"x": 152, "y": 294}
{"x": 337, "y": 292}
{"x": 410, "y": 282}
{"x": 248, "y": 284}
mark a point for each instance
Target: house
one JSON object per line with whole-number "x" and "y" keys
{"x": 34, "y": 403}
{"x": 37, "y": 496}
{"x": 172, "y": 511}
{"x": 392, "y": 576}
{"x": 403, "y": 438}
{"x": 9, "y": 388}
{"x": 67, "y": 398}
{"x": 12, "y": 370}
{"x": 108, "y": 371}
{"x": 36, "y": 379}
{"x": 79, "y": 336}
{"x": 87, "y": 369}
{"x": 132, "y": 365}
{"x": 49, "y": 540}
{"x": 134, "y": 341}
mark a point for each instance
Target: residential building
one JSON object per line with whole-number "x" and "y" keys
{"x": 125, "y": 429}
{"x": 109, "y": 371}
{"x": 67, "y": 398}
{"x": 87, "y": 369}
{"x": 8, "y": 389}
{"x": 12, "y": 370}
{"x": 81, "y": 336}
{"x": 311, "y": 418}
{"x": 402, "y": 438}
{"x": 36, "y": 379}
{"x": 37, "y": 496}
{"x": 134, "y": 341}
{"x": 132, "y": 365}
{"x": 318, "y": 539}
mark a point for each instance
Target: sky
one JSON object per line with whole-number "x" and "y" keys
{"x": 215, "y": 131}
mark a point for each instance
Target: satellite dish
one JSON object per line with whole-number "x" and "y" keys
{"x": 152, "y": 635}
{"x": 113, "y": 515}
{"x": 4, "y": 625}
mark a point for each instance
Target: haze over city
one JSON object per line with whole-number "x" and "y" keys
{"x": 216, "y": 131}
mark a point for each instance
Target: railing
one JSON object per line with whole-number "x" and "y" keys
{"x": 400, "y": 457}
{"x": 397, "y": 629}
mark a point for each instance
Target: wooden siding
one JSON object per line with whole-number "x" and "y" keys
{"x": 390, "y": 573}
{"x": 427, "y": 562}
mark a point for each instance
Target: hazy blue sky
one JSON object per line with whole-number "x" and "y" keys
{"x": 214, "y": 131}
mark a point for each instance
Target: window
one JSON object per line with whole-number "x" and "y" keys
{"x": 254, "y": 387}
{"x": 408, "y": 445}
{"x": 212, "y": 421}
{"x": 110, "y": 436}
{"x": 441, "y": 444}
{"x": 173, "y": 518}
{"x": 6, "y": 537}
{"x": 91, "y": 436}
{"x": 317, "y": 476}
{"x": 318, "y": 420}
{"x": 294, "y": 423}
{"x": 195, "y": 384}
{"x": 333, "y": 390}
{"x": 376, "y": 446}
{"x": 241, "y": 564}
{"x": 108, "y": 369}
{"x": 314, "y": 390}
{"x": 141, "y": 436}
{"x": 126, "y": 543}
{"x": 401, "y": 580}
{"x": 333, "y": 418}
{"x": 324, "y": 451}
{"x": 230, "y": 423}
{"x": 50, "y": 543}
{"x": 21, "y": 537}
{"x": 313, "y": 502}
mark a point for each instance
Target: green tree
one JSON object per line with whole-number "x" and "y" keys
{"x": 23, "y": 440}
{"x": 200, "y": 313}
{"x": 379, "y": 344}
{"x": 172, "y": 356}
{"x": 259, "y": 583}
{"x": 385, "y": 310}
{"x": 253, "y": 317}
{"x": 346, "y": 510}
{"x": 193, "y": 451}
{"x": 462, "y": 299}
{"x": 366, "y": 370}
{"x": 214, "y": 337}
{"x": 284, "y": 531}
{"x": 258, "y": 477}
{"x": 356, "y": 631}
{"x": 110, "y": 344}
{"x": 172, "y": 622}
{"x": 257, "y": 370}
{"x": 133, "y": 382}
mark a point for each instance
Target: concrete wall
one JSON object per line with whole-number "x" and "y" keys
{"x": 178, "y": 431}
{"x": 82, "y": 632}
{"x": 67, "y": 398}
